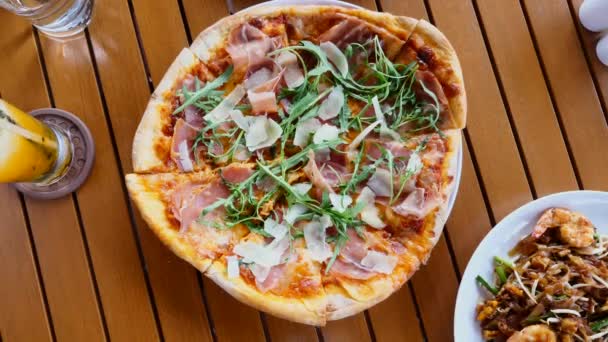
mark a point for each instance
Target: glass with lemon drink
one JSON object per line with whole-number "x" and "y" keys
{"x": 31, "y": 150}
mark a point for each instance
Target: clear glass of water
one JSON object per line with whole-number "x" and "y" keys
{"x": 56, "y": 18}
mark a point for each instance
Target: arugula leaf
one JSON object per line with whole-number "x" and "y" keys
{"x": 209, "y": 91}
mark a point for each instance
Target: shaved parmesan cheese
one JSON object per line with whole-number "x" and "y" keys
{"x": 384, "y": 130}
{"x": 294, "y": 212}
{"x": 259, "y": 77}
{"x": 292, "y": 75}
{"x": 260, "y": 272}
{"x": 366, "y": 196}
{"x": 357, "y": 141}
{"x": 331, "y": 106}
{"x": 304, "y": 130}
{"x": 184, "y": 156}
{"x": 263, "y": 132}
{"x": 336, "y": 57}
{"x": 378, "y": 111}
{"x": 340, "y": 202}
{"x": 381, "y": 182}
{"x": 314, "y": 235}
{"x": 240, "y": 120}
{"x": 268, "y": 256}
{"x": 302, "y": 188}
{"x": 274, "y": 229}
{"x": 325, "y": 221}
{"x": 286, "y": 58}
{"x": 379, "y": 262}
{"x": 601, "y": 333}
{"x": 232, "y": 267}
{"x": 222, "y": 111}
{"x": 241, "y": 153}
{"x": 370, "y": 213}
{"x": 326, "y": 133}
{"x": 414, "y": 164}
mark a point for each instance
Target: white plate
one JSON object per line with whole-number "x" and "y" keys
{"x": 501, "y": 239}
{"x": 452, "y": 198}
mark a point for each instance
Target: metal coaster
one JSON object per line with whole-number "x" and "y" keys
{"x": 83, "y": 155}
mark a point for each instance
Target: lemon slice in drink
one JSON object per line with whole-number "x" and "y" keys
{"x": 28, "y": 147}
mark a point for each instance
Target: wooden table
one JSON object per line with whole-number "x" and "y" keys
{"x": 86, "y": 267}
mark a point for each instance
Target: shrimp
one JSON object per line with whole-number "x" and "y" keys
{"x": 575, "y": 229}
{"x": 534, "y": 333}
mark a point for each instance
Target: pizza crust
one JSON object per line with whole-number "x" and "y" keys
{"x": 310, "y": 310}
{"x": 148, "y": 134}
{"x": 342, "y": 302}
{"x": 455, "y": 143}
{"x": 444, "y": 51}
{"x": 183, "y": 63}
{"x": 153, "y": 210}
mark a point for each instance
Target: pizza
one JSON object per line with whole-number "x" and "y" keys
{"x": 302, "y": 157}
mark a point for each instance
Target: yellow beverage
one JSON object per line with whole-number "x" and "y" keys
{"x": 29, "y": 149}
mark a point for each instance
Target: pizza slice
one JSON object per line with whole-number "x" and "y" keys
{"x": 173, "y": 203}
{"x": 403, "y": 216}
{"x": 438, "y": 73}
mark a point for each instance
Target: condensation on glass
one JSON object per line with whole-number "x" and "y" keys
{"x": 57, "y": 18}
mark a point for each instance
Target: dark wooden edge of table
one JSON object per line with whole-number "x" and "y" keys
{"x": 87, "y": 267}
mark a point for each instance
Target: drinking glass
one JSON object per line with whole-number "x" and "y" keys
{"x": 56, "y": 18}
{"x": 32, "y": 151}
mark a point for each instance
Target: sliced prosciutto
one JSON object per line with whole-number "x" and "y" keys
{"x": 236, "y": 173}
{"x": 192, "y": 114}
{"x": 354, "y": 30}
{"x": 373, "y": 149}
{"x": 181, "y": 145}
{"x": 248, "y": 46}
{"x": 418, "y": 203}
{"x": 271, "y": 278}
{"x": 432, "y": 84}
{"x": 262, "y": 87}
{"x": 191, "y": 208}
{"x": 325, "y": 174}
{"x": 356, "y": 261}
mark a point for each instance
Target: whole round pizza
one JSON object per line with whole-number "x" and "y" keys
{"x": 302, "y": 157}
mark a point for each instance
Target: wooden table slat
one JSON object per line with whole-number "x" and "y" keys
{"x": 353, "y": 328}
{"x": 396, "y": 319}
{"x": 232, "y": 320}
{"x": 102, "y": 202}
{"x": 599, "y": 70}
{"x": 174, "y": 283}
{"x": 492, "y": 141}
{"x": 581, "y": 115}
{"x": 534, "y": 127}
{"x": 23, "y": 316}
{"x": 469, "y": 221}
{"x": 65, "y": 271}
{"x": 527, "y": 95}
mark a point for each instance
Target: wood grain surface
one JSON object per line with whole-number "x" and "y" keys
{"x": 86, "y": 267}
